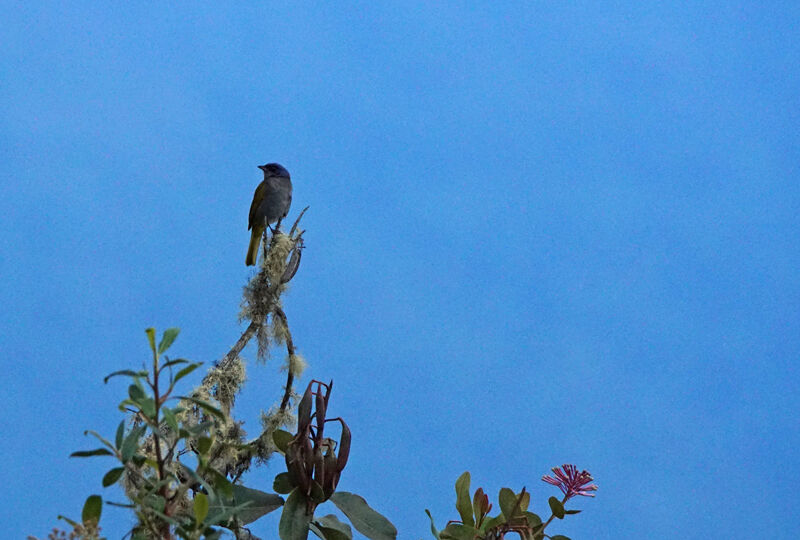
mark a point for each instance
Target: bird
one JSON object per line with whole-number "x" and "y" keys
{"x": 271, "y": 203}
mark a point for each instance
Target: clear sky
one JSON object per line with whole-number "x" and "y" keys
{"x": 540, "y": 233}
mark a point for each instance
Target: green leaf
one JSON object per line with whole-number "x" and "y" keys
{"x": 205, "y": 406}
{"x": 295, "y": 519}
{"x": 170, "y": 419}
{"x": 316, "y": 530}
{"x": 556, "y": 507}
{"x": 220, "y": 482}
{"x": 533, "y": 519}
{"x": 200, "y": 507}
{"x": 463, "y": 501}
{"x": 457, "y": 531}
{"x": 136, "y": 393}
{"x": 151, "y": 337}
{"x": 155, "y": 502}
{"x": 204, "y": 445}
{"x": 493, "y": 522}
{"x": 167, "y": 338}
{"x": 120, "y": 435}
{"x": 92, "y": 509}
{"x": 282, "y": 483}
{"x": 120, "y": 505}
{"x": 258, "y": 503}
{"x": 330, "y": 528}
{"x": 572, "y": 512}
{"x": 366, "y": 520}
{"x": 175, "y": 362}
{"x": 282, "y": 439}
{"x": 131, "y": 443}
{"x": 434, "y": 531}
{"x": 148, "y": 407}
{"x": 508, "y": 500}
{"x": 99, "y": 438}
{"x": 128, "y": 405}
{"x": 112, "y": 476}
{"x": 90, "y": 453}
{"x": 126, "y": 372}
{"x": 185, "y": 371}
{"x": 330, "y": 521}
{"x": 559, "y": 537}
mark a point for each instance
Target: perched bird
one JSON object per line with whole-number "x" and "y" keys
{"x": 271, "y": 203}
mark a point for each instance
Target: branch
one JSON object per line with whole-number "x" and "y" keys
{"x": 290, "y": 350}
{"x": 228, "y": 359}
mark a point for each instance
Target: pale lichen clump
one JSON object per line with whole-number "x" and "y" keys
{"x": 296, "y": 364}
{"x": 275, "y": 261}
{"x": 272, "y": 420}
{"x": 223, "y": 383}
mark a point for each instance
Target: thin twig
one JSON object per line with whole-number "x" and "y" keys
{"x": 297, "y": 221}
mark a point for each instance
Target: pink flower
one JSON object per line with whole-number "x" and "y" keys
{"x": 571, "y": 482}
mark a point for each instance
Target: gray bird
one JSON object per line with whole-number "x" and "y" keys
{"x": 271, "y": 203}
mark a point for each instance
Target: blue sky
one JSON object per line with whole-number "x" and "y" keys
{"x": 539, "y": 234}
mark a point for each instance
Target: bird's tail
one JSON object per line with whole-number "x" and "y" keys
{"x": 252, "y": 250}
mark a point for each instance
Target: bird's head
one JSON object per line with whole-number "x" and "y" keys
{"x": 274, "y": 169}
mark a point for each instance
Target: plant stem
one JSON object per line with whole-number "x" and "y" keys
{"x": 163, "y": 491}
{"x": 563, "y": 501}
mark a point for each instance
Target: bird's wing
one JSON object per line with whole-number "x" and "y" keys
{"x": 258, "y": 196}
{"x": 288, "y": 203}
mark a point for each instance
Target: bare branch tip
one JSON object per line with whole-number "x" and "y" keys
{"x": 297, "y": 221}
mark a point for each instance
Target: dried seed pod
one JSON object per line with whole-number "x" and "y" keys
{"x": 294, "y": 262}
